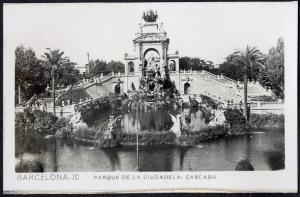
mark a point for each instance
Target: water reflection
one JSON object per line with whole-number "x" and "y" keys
{"x": 182, "y": 152}
{"x": 113, "y": 158}
{"x": 161, "y": 160}
{"x": 264, "y": 151}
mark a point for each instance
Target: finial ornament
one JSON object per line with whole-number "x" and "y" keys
{"x": 150, "y": 16}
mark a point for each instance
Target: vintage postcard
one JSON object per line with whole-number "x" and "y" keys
{"x": 150, "y": 97}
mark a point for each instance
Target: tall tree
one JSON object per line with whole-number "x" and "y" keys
{"x": 231, "y": 68}
{"x": 116, "y": 66}
{"x": 67, "y": 74}
{"x": 54, "y": 59}
{"x": 96, "y": 67}
{"x": 250, "y": 57}
{"x": 29, "y": 73}
{"x": 100, "y": 66}
{"x": 273, "y": 75}
{"x": 189, "y": 63}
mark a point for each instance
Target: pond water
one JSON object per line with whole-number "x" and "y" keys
{"x": 264, "y": 149}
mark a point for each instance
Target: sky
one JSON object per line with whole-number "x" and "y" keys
{"x": 210, "y": 31}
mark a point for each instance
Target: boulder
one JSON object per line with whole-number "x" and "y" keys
{"x": 29, "y": 166}
{"x": 244, "y": 165}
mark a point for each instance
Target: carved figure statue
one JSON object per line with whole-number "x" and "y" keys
{"x": 77, "y": 123}
{"x": 219, "y": 118}
{"x": 176, "y": 128}
{"x": 161, "y": 27}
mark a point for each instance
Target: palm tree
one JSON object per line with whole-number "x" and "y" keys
{"x": 250, "y": 57}
{"x": 54, "y": 59}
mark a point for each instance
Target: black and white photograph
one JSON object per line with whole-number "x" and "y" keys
{"x": 149, "y": 87}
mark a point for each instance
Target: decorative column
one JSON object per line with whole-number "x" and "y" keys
{"x": 162, "y": 58}
{"x": 165, "y": 53}
{"x": 141, "y": 52}
{"x": 177, "y": 61}
{"x": 165, "y": 57}
{"x": 136, "y": 66}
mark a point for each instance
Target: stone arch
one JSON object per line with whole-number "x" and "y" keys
{"x": 117, "y": 89}
{"x": 151, "y": 49}
{"x": 187, "y": 87}
{"x": 131, "y": 66}
{"x": 172, "y": 65}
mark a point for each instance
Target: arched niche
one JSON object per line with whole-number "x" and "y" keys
{"x": 117, "y": 89}
{"x": 151, "y": 59}
{"x": 186, "y": 87}
{"x": 131, "y": 66}
{"x": 172, "y": 65}
{"x": 151, "y": 52}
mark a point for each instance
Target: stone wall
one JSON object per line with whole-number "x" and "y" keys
{"x": 102, "y": 89}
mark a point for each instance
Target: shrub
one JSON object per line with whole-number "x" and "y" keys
{"x": 234, "y": 116}
{"x": 209, "y": 101}
{"x": 44, "y": 121}
{"x": 208, "y": 116}
{"x": 194, "y": 137}
{"x": 36, "y": 120}
{"x": 194, "y": 103}
{"x": 20, "y": 124}
{"x": 60, "y": 123}
{"x": 266, "y": 120}
{"x": 76, "y": 95}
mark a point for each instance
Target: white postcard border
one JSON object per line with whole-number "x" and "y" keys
{"x": 229, "y": 181}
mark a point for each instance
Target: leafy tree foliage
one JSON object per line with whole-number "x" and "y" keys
{"x": 97, "y": 66}
{"x": 188, "y": 63}
{"x": 54, "y": 58}
{"x": 273, "y": 75}
{"x": 116, "y": 66}
{"x": 33, "y": 74}
{"x": 251, "y": 59}
{"x": 29, "y": 73}
{"x": 234, "y": 68}
{"x": 234, "y": 116}
{"x": 65, "y": 72}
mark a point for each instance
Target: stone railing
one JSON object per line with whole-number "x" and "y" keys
{"x": 213, "y": 97}
{"x": 87, "y": 101}
{"x": 85, "y": 83}
{"x": 203, "y": 74}
{"x": 259, "y": 107}
{"x": 220, "y": 78}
